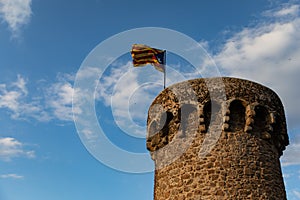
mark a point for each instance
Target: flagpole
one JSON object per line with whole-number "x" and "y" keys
{"x": 165, "y": 70}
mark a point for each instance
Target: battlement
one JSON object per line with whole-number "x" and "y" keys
{"x": 218, "y": 120}
{"x": 249, "y": 107}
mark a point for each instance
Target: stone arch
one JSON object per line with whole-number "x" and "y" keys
{"x": 261, "y": 118}
{"x": 158, "y": 131}
{"x": 153, "y": 128}
{"x": 237, "y": 115}
{"x": 165, "y": 121}
{"x": 211, "y": 111}
{"x": 187, "y": 117}
{"x": 160, "y": 124}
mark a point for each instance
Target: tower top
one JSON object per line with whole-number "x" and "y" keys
{"x": 264, "y": 111}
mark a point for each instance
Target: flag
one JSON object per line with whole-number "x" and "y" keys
{"x": 143, "y": 55}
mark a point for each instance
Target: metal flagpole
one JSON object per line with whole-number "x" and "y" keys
{"x": 165, "y": 71}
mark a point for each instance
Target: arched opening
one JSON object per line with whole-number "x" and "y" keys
{"x": 261, "y": 118}
{"x": 165, "y": 120}
{"x": 187, "y": 117}
{"x": 212, "y": 114}
{"x": 152, "y": 128}
{"x": 237, "y": 115}
{"x": 162, "y": 125}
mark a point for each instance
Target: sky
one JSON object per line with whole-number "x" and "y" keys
{"x": 55, "y": 53}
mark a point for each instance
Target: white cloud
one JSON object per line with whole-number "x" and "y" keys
{"x": 11, "y": 148}
{"x": 21, "y": 84}
{"x": 15, "y": 13}
{"x": 88, "y": 72}
{"x": 285, "y": 176}
{"x": 59, "y": 98}
{"x": 11, "y": 176}
{"x": 53, "y": 102}
{"x": 89, "y": 134}
{"x": 116, "y": 89}
{"x": 14, "y": 98}
{"x": 289, "y": 10}
{"x": 296, "y": 193}
{"x": 268, "y": 53}
{"x": 108, "y": 82}
{"x": 129, "y": 91}
{"x": 291, "y": 156}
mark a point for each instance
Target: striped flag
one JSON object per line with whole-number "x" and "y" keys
{"x": 143, "y": 55}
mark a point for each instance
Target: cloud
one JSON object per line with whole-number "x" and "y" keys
{"x": 11, "y": 148}
{"x": 285, "y": 10}
{"x": 88, "y": 72}
{"x": 285, "y": 175}
{"x": 291, "y": 156}
{"x": 115, "y": 90}
{"x": 59, "y": 98}
{"x": 107, "y": 83}
{"x": 129, "y": 91}
{"x": 268, "y": 53}
{"x": 11, "y": 176}
{"x": 296, "y": 193}
{"x": 15, "y": 13}
{"x": 14, "y": 98}
{"x": 21, "y": 84}
{"x": 53, "y": 102}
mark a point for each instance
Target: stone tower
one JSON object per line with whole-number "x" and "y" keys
{"x": 217, "y": 138}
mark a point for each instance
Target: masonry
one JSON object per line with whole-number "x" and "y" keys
{"x": 217, "y": 138}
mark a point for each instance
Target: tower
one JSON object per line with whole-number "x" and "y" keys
{"x": 217, "y": 138}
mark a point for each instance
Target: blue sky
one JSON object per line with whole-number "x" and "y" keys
{"x": 43, "y": 46}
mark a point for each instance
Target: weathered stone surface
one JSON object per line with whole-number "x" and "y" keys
{"x": 218, "y": 138}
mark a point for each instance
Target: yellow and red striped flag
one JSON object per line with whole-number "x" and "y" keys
{"x": 143, "y": 55}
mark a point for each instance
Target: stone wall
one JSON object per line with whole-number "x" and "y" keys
{"x": 218, "y": 138}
